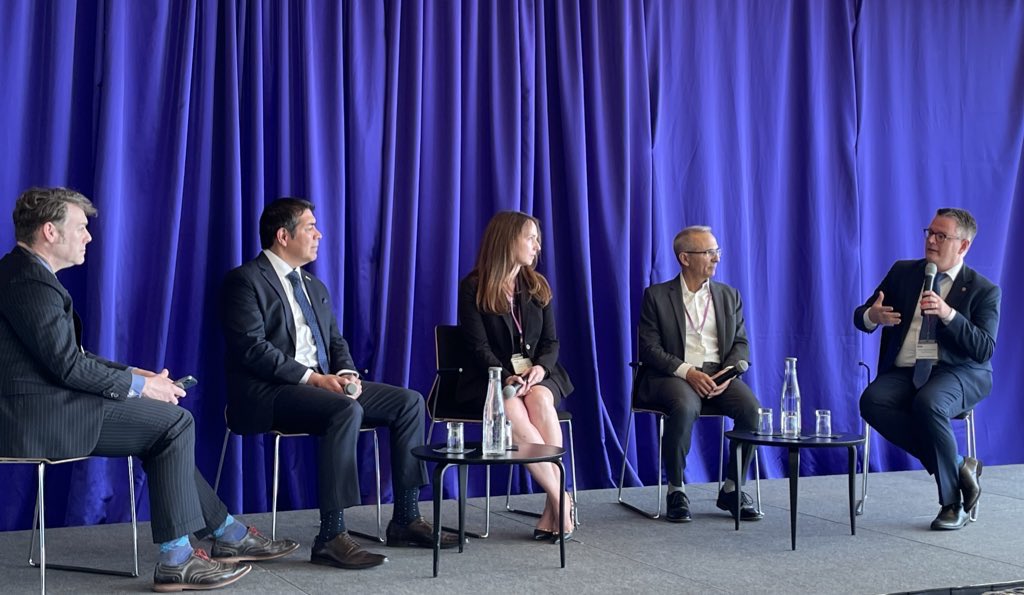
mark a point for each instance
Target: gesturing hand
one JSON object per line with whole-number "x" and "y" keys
{"x": 881, "y": 314}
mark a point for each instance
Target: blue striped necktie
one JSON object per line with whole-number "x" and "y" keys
{"x": 311, "y": 321}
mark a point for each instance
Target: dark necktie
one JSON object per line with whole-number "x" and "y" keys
{"x": 311, "y": 322}
{"x": 929, "y": 326}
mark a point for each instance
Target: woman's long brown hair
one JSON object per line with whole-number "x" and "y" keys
{"x": 496, "y": 260}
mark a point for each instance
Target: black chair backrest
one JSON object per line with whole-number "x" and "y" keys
{"x": 452, "y": 359}
{"x": 639, "y": 370}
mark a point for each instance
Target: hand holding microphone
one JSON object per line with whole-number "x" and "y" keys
{"x": 932, "y": 303}
{"x": 731, "y": 372}
{"x": 512, "y": 389}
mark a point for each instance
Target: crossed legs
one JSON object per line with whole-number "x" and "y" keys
{"x": 535, "y": 421}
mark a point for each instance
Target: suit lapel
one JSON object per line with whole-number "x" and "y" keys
{"x": 718, "y": 297}
{"x": 911, "y": 296}
{"x": 270, "y": 276}
{"x": 319, "y": 303}
{"x": 961, "y": 287}
{"x": 675, "y": 294}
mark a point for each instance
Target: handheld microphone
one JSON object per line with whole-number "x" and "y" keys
{"x": 740, "y": 367}
{"x": 930, "y": 270}
{"x": 351, "y": 389}
{"x": 510, "y": 390}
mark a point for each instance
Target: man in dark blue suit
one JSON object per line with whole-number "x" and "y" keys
{"x": 934, "y": 367}
{"x": 57, "y": 400}
{"x": 289, "y": 369}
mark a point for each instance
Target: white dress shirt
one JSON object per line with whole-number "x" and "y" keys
{"x": 702, "y": 347}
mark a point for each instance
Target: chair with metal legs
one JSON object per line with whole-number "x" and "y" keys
{"x": 277, "y": 464}
{"x": 40, "y": 523}
{"x": 452, "y": 358}
{"x": 972, "y": 451}
{"x": 661, "y": 415}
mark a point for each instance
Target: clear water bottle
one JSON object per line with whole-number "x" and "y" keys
{"x": 494, "y": 415}
{"x": 790, "y": 401}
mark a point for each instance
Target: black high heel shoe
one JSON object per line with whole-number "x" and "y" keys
{"x": 542, "y": 535}
{"x": 557, "y": 535}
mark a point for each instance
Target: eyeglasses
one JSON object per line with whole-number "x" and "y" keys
{"x": 710, "y": 252}
{"x": 939, "y": 236}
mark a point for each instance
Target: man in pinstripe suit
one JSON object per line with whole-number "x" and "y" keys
{"x": 59, "y": 401}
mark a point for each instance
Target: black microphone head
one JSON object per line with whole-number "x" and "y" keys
{"x": 742, "y": 366}
{"x": 509, "y": 391}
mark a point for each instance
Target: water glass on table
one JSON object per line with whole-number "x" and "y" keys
{"x": 823, "y": 423}
{"x": 456, "y": 437}
{"x": 764, "y": 422}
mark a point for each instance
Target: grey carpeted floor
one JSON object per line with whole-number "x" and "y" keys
{"x": 617, "y": 550}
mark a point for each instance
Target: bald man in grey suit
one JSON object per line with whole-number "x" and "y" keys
{"x": 692, "y": 330}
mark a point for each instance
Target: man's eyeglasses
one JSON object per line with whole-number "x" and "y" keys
{"x": 710, "y": 252}
{"x": 939, "y": 236}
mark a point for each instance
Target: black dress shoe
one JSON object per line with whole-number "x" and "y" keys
{"x": 344, "y": 552}
{"x": 678, "y": 508}
{"x": 254, "y": 547}
{"x": 970, "y": 487}
{"x": 198, "y": 573}
{"x": 951, "y": 518}
{"x": 418, "y": 533}
{"x": 727, "y": 502}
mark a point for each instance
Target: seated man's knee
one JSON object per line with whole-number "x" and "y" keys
{"x": 342, "y": 410}
{"x": 930, "y": 403}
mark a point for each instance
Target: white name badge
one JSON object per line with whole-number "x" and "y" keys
{"x": 928, "y": 350}
{"x": 520, "y": 364}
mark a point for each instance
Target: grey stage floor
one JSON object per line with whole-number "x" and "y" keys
{"x": 618, "y": 550}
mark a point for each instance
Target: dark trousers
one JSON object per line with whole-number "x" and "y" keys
{"x": 163, "y": 437}
{"x": 918, "y": 421}
{"x": 336, "y": 420}
{"x": 684, "y": 406}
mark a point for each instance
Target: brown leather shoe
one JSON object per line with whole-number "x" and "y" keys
{"x": 418, "y": 533}
{"x": 343, "y": 552}
{"x": 253, "y": 547}
{"x": 197, "y": 573}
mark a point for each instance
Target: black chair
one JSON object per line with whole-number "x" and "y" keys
{"x": 277, "y": 463}
{"x": 972, "y": 451}
{"x": 39, "y": 520}
{"x": 452, "y": 358}
{"x": 638, "y": 369}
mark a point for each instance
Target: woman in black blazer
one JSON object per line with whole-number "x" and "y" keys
{"x": 506, "y": 319}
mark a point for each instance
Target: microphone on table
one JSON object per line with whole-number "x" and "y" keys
{"x": 740, "y": 367}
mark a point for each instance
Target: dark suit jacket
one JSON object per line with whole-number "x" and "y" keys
{"x": 965, "y": 344}
{"x": 662, "y": 332}
{"x": 50, "y": 389}
{"x": 490, "y": 338}
{"x": 260, "y": 334}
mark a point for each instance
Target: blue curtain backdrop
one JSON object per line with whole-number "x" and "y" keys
{"x": 817, "y": 138}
